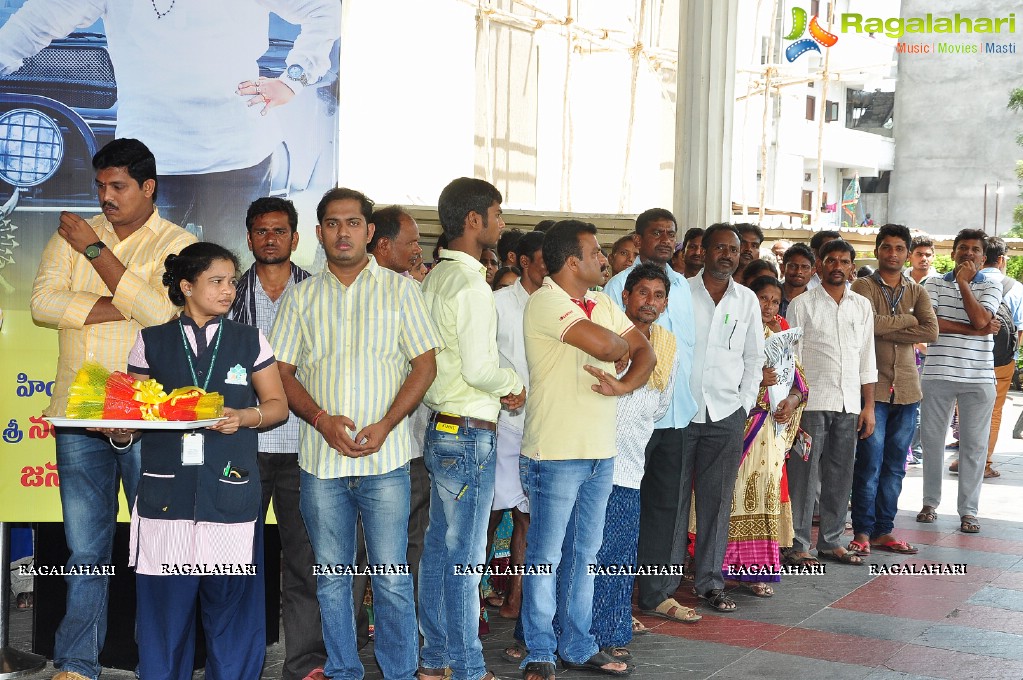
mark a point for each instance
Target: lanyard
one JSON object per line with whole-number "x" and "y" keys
{"x": 188, "y": 354}
{"x": 888, "y": 296}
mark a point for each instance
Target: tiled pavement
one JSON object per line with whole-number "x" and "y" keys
{"x": 845, "y": 623}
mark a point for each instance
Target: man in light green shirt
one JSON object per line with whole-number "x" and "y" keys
{"x": 461, "y": 436}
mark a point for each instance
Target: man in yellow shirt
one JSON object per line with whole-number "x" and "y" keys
{"x": 99, "y": 283}
{"x": 461, "y": 435}
{"x": 568, "y": 446}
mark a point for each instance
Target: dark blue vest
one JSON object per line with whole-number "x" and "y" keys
{"x": 169, "y": 490}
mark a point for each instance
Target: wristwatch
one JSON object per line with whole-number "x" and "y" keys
{"x": 296, "y": 73}
{"x": 93, "y": 251}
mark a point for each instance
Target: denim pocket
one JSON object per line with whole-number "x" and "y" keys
{"x": 448, "y": 458}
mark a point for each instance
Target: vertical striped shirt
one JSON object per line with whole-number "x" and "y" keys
{"x": 67, "y": 287}
{"x": 961, "y": 358}
{"x": 352, "y": 346}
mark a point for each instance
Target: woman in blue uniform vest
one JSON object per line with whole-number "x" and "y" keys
{"x": 194, "y": 530}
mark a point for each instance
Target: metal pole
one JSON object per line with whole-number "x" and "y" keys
{"x": 13, "y": 663}
{"x": 985, "y": 206}
{"x": 998, "y": 194}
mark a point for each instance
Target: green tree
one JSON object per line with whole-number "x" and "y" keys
{"x": 943, "y": 264}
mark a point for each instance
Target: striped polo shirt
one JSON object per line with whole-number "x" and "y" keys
{"x": 956, "y": 357}
{"x": 352, "y": 346}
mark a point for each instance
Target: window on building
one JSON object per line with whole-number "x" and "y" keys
{"x": 807, "y": 202}
{"x": 811, "y": 108}
{"x": 830, "y": 111}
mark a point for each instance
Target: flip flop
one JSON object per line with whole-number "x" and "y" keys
{"x": 842, "y": 558}
{"x": 896, "y": 546}
{"x": 596, "y": 663}
{"x": 927, "y": 515}
{"x": 670, "y": 609}
{"x": 861, "y": 548}
{"x": 805, "y": 561}
{"x": 991, "y": 473}
{"x": 514, "y": 654}
{"x": 760, "y": 589}
{"x": 968, "y": 524}
{"x": 620, "y": 653}
{"x": 541, "y": 669}
{"x": 638, "y": 628}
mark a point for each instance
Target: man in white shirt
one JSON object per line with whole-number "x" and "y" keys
{"x": 841, "y": 368}
{"x": 728, "y": 359}
{"x": 511, "y": 352}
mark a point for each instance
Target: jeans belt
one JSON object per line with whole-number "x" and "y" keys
{"x": 463, "y": 421}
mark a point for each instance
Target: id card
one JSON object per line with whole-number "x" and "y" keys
{"x": 192, "y": 448}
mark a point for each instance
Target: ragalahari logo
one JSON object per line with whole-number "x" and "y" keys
{"x": 817, "y": 36}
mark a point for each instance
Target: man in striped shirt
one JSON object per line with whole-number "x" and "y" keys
{"x": 960, "y": 368}
{"x": 356, "y": 345}
{"x": 99, "y": 283}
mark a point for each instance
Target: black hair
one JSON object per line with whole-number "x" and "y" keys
{"x": 896, "y": 231}
{"x": 817, "y": 239}
{"x": 271, "y": 204}
{"x": 646, "y": 272}
{"x": 130, "y": 154}
{"x": 838, "y": 244}
{"x": 864, "y": 271}
{"x": 761, "y": 282}
{"x": 921, "y": 241}
{"x": 508, "y": 243}
{"x": 628, "y": 238}
{"x": 387, "y": 224}
{"x": 501, "y": 272}
{"x": 463, "y": 196}
{"x": 749, "y": 228}
{"x": 543, "y": 226}
{"x": 798, "y": 249}
{"x": 187, "y": 265}
{"x": 562, "y": 242}
{"x": 691, "y": 233}
{"x": 442, "y": 242}
{"x": 531, "y": 242}
{"x": 971, "y": 235}
{"x": 716, "y": 227}
{"x": 995, "y": 249}
{"x": 653, "y": 215}
{"x": 343, "y": 194}
{"x": 756, "y": 267}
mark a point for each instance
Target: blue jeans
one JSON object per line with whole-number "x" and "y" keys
{"x": 567, "y": 504}
{"x": 330, "y": 508}
{"x": 462, "y": 467}
{"x": 880, "y": 468}
{"x": 89, "y": 470}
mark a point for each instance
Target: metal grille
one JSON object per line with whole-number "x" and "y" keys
{"x": 31, "y": 147}
{"x": 78, "y": 76}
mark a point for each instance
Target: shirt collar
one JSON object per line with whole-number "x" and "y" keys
{"x": 951, "y": 277}
{"x": 371, "y": 269}
{"x": 152, "y": 224}
{"x": 464, "y": 258}
{"x": 548, "y": 281}
{"x": 189, "y": 321}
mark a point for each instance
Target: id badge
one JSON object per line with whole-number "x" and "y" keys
{"x": 192, "y": 448}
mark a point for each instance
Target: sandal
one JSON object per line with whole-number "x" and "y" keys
{"x": 954, "y": 467}
{"x": 927, "y": 515}
{"x": 597, "y": 663}
{"x": 896, "y": 546}
{"x": 25, "y": 600}
{"x": 991, "y": 473}
{"x": 515, "y": 654}
{"x": 968, "y": 524}
{"x": 844, "y": 557}
{"x": 638, "y": 628}
{"x": 861, "y": 548}
{"x": 544, "y": 670}
{"x": 800, "y": 561}
{"x": 718, "y": 600}
{"x": 620, "y": 653}
{"x": 673, "y": 611}
{"x": 425, "y": 672}
{"x": 760, "y": 589}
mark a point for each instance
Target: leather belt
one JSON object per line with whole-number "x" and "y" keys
{"x": 463, "y": 421}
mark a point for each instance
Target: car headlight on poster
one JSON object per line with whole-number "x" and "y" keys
{"x": 31, "y": 147}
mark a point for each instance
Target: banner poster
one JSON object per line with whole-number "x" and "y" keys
{"x": 75, "y": 74}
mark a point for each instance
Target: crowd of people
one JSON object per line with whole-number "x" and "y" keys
{"x": 697, "y": 402}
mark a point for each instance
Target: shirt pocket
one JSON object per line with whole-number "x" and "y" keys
{"x": 730, "y": 337}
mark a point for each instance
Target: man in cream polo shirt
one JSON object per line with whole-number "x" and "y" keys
{"x": 568, "y": 445}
